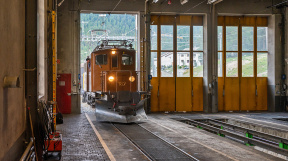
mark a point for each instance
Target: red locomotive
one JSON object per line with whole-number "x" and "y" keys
{"x": 111, "y": 82}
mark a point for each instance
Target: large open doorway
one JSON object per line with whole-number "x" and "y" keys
{"x": 103, "y": 26}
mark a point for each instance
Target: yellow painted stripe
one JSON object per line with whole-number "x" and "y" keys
{"x": 110, "y": 155}
{"x": 54, "y": 65}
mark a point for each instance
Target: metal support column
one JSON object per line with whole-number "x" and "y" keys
{"x": 210, "y": 86}
{"x": 214, "y": 71}
{"x": 147, "y": 53}
{"x": 31, "y": 75}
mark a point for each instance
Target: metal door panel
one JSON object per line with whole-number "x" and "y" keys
{"x": 220, "y": 94}
{"x": 154, "y": 95}
{"x": 232, "y": 94}
{"x": 63, "y": 93}
{"x": 167, "y": 94}
{"x": 197, "y": 94}
{"x": 261, "y": 98}
{"x": 183, "y": 94}
{"x": 248, "y": 94}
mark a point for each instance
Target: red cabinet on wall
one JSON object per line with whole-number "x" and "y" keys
{"x": 63, "y": 93}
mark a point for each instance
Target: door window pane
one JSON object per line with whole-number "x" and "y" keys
{"x": 247, "y": 39}
{"x": 220, "y": 64}
{"x": 232, "y": 38}
{"x": 247, "y": 65}
{"x": 153, "y": 37}
{"x": 153, "y": 65}
{"x": 220, "y": 38}
{"x": 166, "y": 64}
{"x": 262, "y": 64}
{"x": 166, "y": 37}
{"x": 231, "y": 64}
{"x": 198, "y": 64}
{"x": 183, "y": 38}
{"x": 197, "y": 38}
{"x": 183, "y": 64}
{"x": 262, "y": 39}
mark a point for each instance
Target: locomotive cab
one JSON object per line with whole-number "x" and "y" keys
{"x": 115, "y": 83}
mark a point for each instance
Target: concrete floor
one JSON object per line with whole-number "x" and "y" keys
{"x": 85, "y": 108}
{"x": 80, "y": 141}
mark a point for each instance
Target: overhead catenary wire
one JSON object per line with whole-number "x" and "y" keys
{"x": 60, "y": 3}
{"x": 115, "y": 6}
{"x": 279, "y": 4}
{"x": 221, "y": 9}
{"x": 161, "y": 3}
{"x": 195, "y": 6}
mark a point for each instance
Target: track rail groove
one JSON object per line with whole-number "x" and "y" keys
{"x": 152, "y": 145}
{"x": 257, "y": 141}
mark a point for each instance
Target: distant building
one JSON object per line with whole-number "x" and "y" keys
{"x": 182, "y": 59}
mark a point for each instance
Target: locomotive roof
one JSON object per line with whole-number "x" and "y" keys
{"x": 114, "y": 44}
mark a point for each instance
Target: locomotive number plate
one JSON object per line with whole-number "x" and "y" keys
{"x": 122, "y": 83}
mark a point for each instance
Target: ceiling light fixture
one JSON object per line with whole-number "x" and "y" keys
{"x": 183, "y": 1}
{"x": 214, "y": 1}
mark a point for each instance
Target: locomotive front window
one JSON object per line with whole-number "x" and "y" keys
{"x": 114, "y": 61}
{"x": 101, "y": 59}
{"x": 127, "y": 59}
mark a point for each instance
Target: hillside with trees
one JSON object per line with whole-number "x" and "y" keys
{"x": 115, "y": 24}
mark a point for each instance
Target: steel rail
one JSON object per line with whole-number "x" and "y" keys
{"x": 266, "y": 139}
{"x": 182, "y": 151}
{"x": 147, "y": 154}
{"x": 255, "y": 142}
{"x": 135, "y": 144}
{"x": 253, "y": 132}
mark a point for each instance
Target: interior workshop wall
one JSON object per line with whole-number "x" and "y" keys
{"x": 12, "y": 52}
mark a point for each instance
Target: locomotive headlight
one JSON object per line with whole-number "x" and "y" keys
{"x": 131, "y": 78}
{"x": 111, "y": 79}
{"x": 113, "y": 52}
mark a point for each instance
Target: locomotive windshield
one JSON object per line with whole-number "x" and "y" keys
{"x": 101, "y": 59}
{"x": 114, "y": 61}
{"x": 127, "y": 59}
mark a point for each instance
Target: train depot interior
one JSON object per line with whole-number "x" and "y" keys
{"x": 125, "y": 80}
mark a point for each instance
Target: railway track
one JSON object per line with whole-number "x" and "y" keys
{"x": 240, "y": 134}
{"x": 152, "y": 146}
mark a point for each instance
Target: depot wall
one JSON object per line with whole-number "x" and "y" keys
{"x": 69, "y": 28}
{"x": 12, "y": 54}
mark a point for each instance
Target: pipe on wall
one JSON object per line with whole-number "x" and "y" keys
{"x": 11, "y": 82}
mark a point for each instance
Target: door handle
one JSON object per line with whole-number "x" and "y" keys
{"x": 74, "y": 93}
{"x": 158, "y": 93}
{"x": 223, "y": 92}
{"x": 192, "y": 93}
